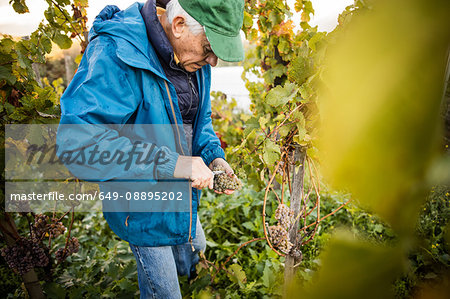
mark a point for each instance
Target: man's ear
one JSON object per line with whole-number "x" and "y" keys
{"x": 178, "y": 26}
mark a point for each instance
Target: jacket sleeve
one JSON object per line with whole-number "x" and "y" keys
{"x": 97, "y": 104}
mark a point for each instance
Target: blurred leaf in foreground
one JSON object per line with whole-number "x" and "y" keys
{"x": 355, "y": 269}
{"x": 381, "y": 124}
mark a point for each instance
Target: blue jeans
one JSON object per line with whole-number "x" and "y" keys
{"x": 158, "y": 267}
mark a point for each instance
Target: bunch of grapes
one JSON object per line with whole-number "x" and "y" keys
{"x": 42, "y": 227}
{"x": 56, "y": 228}
{"x": 285, "y": 216}
{"x": 72, "y": 247}
{"x": 279, "y": 233}
{"x": 223, "y": 182}
{"x": 279, "y": 237}
{"x": 285, "y": 246}
{"x": 24, "y": 255}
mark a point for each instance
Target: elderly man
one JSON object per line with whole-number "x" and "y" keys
{"x": 150, "y": 65}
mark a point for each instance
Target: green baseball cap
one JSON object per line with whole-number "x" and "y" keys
{"x": 222, "y": 20}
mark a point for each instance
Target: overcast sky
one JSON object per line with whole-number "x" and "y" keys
{"x": 19, "y": 25}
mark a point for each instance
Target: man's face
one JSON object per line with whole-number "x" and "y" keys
{"x": 193, "y": 51}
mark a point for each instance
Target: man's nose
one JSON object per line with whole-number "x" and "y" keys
{"x": 212, "y": 59}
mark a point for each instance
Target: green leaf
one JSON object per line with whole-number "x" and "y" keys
{"x": 284, "y": 46}
{"x": 268, "y": 277}
{"x": 6, "y": 45}
{"x": 308, "y": 7}
{"x": 353, "y": 269}
{"x": 237, "y": 274}
{"x": 63, "y": 41}
{"x": 125, "y": 284}
{"x": 248, "y": 19}
{"x": 369, "y": 135}
{"x": 279, "y": 96}
{"x": 9, "y": 108}
{"x": 251, "y": 125}
{"x": 284, "y": 130}
{"x": 279, "y": 117}
{"x": 298, "y": 117}
{"x": 46, "y": 43}
{"x": 315, "y": 40}
{"x": 20, "y": 6}
{"x": 248, "y": 225}
{"x": 264, "y": 120}
{"x": 112, "y": 269}
{"x": 50, "y": 14}
{"x": 271, "y": 152}
{"x": 22, "y": 56}
{"x": 300, "y": 134}
{"x": 54, "y": 290}
{"x": 6, "y": 74}
{"x": 378, "y": 228}
{"x": 300, "y": 69}
{"x": 275, "y": 71}
{"x": 306, "y": 91}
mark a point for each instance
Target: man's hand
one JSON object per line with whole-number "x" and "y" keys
{"x": 195, "y": 169}
{"x": 228, "y": 170}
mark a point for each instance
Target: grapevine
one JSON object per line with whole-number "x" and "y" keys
{"x": 25, "y": 98}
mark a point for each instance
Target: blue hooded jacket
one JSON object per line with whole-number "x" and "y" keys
{"x": 120, "y": 81}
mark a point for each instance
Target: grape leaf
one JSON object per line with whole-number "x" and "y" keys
{"x": 300, "y": 69}
{"x": 20, "y": 6}
{"x": 264, "y": 120}
{"x": 63, "y": 41}
{"x": 248, "y": 19}
{"x": 46, "y": 43}
{"x": 315, "y": 40}
{"x": 6, "y": 74}
{"x": 237, "y": 274}
{"x": 268, "y": 276}
{"x": 271, "y": 152}
{"x": 279, "y": 96}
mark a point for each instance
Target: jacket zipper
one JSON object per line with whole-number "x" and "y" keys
{"x": 193, "y": 91}
{"x": 190, "y": 217}
{"x": 181, "y": 147}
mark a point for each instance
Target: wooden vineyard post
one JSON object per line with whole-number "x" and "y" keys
{"x": 295, "y": 256}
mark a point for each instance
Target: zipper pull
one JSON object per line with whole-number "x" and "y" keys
{"x": 191, "y": 83}
{"x": 190, "y": 241}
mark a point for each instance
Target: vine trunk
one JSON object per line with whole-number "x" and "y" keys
{"x": 295, "y": 256}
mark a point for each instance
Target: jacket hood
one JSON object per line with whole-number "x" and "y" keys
{"x": 127, "y": 29}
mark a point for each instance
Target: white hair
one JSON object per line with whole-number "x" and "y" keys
{"x": 173, "y": 9}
